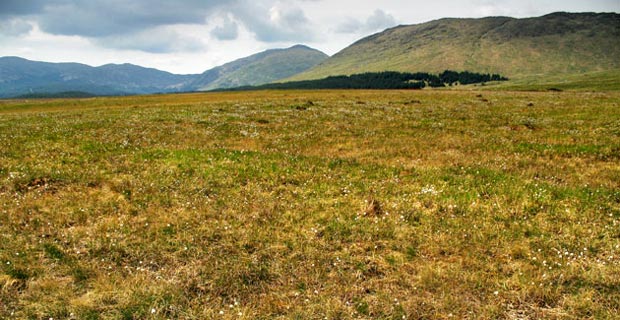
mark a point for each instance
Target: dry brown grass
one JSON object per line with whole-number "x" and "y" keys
{"x": 358, "y": 204}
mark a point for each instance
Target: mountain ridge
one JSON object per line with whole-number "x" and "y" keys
{"x": 19, "y": 76}
{"x": 264, "y": 70}
{"x": 555, "y": 43}
{"x": 533, "y": 48}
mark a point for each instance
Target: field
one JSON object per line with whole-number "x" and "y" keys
{"x": 590, "y": 81}
{"x": 311, "y": 205}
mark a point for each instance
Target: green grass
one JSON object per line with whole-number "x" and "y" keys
{"x": 361, "y": 204}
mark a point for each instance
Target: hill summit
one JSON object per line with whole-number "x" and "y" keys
{"x": 558, "y": 43}
{"x": 264, "y": 67}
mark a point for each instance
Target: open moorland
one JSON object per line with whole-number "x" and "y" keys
{"x": 312, "y": 205}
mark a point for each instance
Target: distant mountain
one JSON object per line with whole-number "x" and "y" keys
{"x": 261, "y": 68}
{"x": 558, "y": 43}
{"x": 21, "y": 77}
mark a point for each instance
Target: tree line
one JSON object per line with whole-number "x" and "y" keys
{"x": 384, "y": 80}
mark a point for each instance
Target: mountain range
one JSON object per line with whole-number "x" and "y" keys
{"x": 20, "y": 77}
{"x": 555, "y": 45}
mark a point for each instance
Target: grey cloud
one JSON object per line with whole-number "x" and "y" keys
{"x": 112, "y": 23}
{"x": 14, "y": 27}
{"x": 279, "y": 22}
{"x": 380, "y": 20}
{"x": 21, "y": 7}
{"x": 102, "y": 18}
{"x": 229, "y": 30}
{"x": 377, "y": 21}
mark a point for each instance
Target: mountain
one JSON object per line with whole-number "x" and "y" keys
{"x": 558, "y": 43}
{"x": 267, "y": 66}
{"x": 21, "y": 77}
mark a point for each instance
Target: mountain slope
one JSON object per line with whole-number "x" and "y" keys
{"x": 264, "y": 67}
{"x": 558, "y": 43}
{"x": 20, "y": 76}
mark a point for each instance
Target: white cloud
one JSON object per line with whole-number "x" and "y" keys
{"x": 275, "y": 21}
{"x": 163, "y": 39}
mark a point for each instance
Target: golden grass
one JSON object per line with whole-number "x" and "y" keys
{"x": 311, "y": 204}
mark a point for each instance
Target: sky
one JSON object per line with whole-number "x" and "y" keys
{"x": 191, "y": 36}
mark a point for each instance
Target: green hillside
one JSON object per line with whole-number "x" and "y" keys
{"x": 264, "y": 67}
{"x": 558, "y": 43}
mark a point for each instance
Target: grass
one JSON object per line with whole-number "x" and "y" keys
{"x": 592, "y": 81}
{"x": 322, "y": 204}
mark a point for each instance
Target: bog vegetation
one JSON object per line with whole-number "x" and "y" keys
{"x": 311, "y": 205}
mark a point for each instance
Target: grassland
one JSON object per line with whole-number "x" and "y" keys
{"x": 590, "y": 81}
{"x": 311, "y": 205}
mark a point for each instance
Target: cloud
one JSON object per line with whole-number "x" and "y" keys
{"x": 21, "y": 7}
{"x": 14, "y": 27}
{"x": 228, "y": 30}
{"x": 163, "y": 39}
{"x": 350, "y": 26}
{"x": 129, "y": 24}
{"x": 102, "y": 18}
{"x": 275, "y": 22}
{"x": 379, "y": 20}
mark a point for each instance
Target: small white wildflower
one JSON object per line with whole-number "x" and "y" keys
{"x": 221, "y": 311}
{"x": 153, "y": 310}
